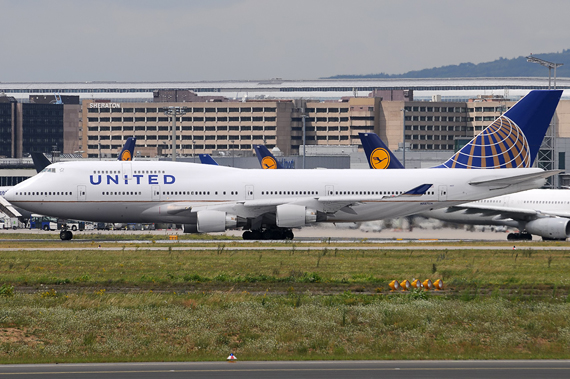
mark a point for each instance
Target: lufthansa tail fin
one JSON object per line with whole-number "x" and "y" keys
{"x": 207, "y": 159}
{"x": 266, "y": 159}
{"x": 377, "y": 153}
{"x": 128, "y": 151}
{"x": 514, "y": 138}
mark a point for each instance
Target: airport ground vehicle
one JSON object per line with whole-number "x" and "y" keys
{"x": 43, "y": 222}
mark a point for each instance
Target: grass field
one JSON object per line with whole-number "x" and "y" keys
{"x": 169, "y": 304}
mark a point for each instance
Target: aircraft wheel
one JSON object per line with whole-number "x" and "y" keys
{"x": 247, "y": 235}
{"x": 526, "y": 236}
{"x": 512, "y": 237}
{"x": 288, "y": 234}
{"x": 65, "y": 235}
{"x": 256, "y": 235}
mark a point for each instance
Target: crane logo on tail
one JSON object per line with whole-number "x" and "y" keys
{"x": 268, "y": 163}
{"x": 126, "y": 156}
{"x": 380, "y": 159}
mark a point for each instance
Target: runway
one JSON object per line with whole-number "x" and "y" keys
{"x": 299, "y": 369}
{"x": 340, "y": 246}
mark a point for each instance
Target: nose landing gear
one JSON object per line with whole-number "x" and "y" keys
{"x": 65, "y": 235}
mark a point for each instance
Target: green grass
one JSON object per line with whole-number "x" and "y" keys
{"x": 52, "y": 327}
{"x": 169, "y": 304}
{"x": 526, "y": 271}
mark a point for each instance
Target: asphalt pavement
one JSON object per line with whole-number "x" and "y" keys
{"x": 522, "y": 369}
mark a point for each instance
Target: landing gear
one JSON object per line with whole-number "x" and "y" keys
{"x": 65, "y": 235}
{"x": 269, "y": 234}
{"x": 519, "y": 236}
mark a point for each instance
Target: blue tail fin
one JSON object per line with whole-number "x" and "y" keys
{"x": 40, "y": 161}
{"x": 514, "y": 138}
{"x": 207, "y": 159}
{"x": 128, "y": 150}
{"x": 377, "y": 153}
{"x": 266, "y": 159}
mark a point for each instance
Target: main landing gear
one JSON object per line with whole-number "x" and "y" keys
{"x": 519, "y": 236}
{"x": 268, "y": 234}
{"x": 65, "y": 234}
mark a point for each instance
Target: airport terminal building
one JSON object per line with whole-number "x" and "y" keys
{"x": 221, "y": 118}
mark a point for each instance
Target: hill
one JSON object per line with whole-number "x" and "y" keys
{"x": 502, "y": 67}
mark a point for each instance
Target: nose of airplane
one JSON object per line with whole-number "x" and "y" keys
{"x": 9, "y": 195}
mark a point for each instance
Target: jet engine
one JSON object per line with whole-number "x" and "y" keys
{"x": 294, "y": 216}
{"x": 213, "y": 221}
{"x": 550, "y": 228}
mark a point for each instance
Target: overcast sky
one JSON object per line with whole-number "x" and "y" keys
{"x": 179, "y": 40}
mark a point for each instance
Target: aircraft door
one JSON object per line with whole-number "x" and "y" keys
{"x": 249, "y": 192}
{"x": 329, "y": 190}
{"x": 442, "y": 194}
{"x": 81, "y": 193}
{"x": 155, "y": 196}
{"x": 127, "y": 171}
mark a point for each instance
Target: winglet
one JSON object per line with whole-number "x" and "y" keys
{"x": 418, "y": 191}
{"x": 207, "y": 159}
{"x": 266, "y": 159}
{"x": 377, "y": 153}
{"x": 128, "y": 150}
{"x": 513, "y": 139}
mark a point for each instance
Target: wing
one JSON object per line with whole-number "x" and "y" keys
{"x": 513, "y": 180}
{"x": 327, "y": 204}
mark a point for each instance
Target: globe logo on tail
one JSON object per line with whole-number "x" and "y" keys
{"x": 379, "y": 158}
{"x": 501, "y": 145}
{"x": 268, "y": 163}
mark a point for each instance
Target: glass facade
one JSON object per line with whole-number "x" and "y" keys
{"x": 42, "y": 127}
{"x": 6, "y": 130}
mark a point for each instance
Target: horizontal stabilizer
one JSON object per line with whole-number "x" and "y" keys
{"x": 512, "y": 180}
{"x": 8, "y": 208}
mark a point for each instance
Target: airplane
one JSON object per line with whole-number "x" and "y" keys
{"x": 207, "y": 159}
{"x": 269, "y": 203}
{"x": 266, "y": 159}
{"x": 40, "y": 163}
{"x": 543, "y": 212}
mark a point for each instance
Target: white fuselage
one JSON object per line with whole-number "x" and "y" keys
{"x": 142, "y": 191}
{"x": 490, "y": 211}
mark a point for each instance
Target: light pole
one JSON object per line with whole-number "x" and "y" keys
{"x": 550, "y": 65}
{"x": 404, "y": 137}
{"x": 304, "y": 116}
{"x": 173, "y": 112}
{"x": 546, "y": 151}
